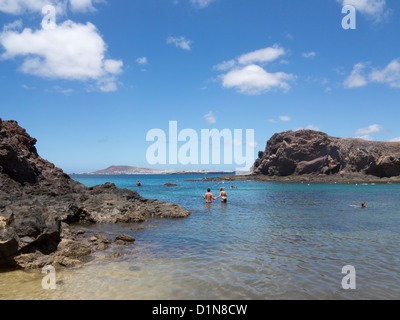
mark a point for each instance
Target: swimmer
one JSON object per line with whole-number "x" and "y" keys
{"x": 209, "y": 196}
{"x": 223, "y": 195}
{"x": 364, "y": 205}
{"x": 138, "y": 184}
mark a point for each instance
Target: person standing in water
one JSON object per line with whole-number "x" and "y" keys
{"x": 209, "y": 196}
{"x": 138, "y": 184}
{"x": 223, "y": 195}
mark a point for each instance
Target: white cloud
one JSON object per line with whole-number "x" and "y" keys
{"x": 289, "y": 36}
{"x": 26, "y": 87}
{"x": 201, "y": 3}
{"x": 226, "y": 65}
{"x": 18, "y": 7}
{"x": 389, "y": 75}
{"x": 366, "y": 138}
{"x": 356, "y": 79}
{"x": 142, "y": 61}
{"x": 71, "y": 51}
{"x": 180, "y": 42}
{"x": 375, "y": 9}
{"x": 238, "y": 143}
{"x": 395, "y": 140}
{"x": 113, "y": 66}
{"x": 82, "y": 5}
{"x": 284, "y": 118}
{"x": 16, "y": 25}
{"x": 310, "y": 127}
{"x": 251, "y": 78}
{"x": 262, "y": 55}
{"x": 313, "y": 127}
{"x": 210, "y": 118}
{"x": 375, "y": 128}
{"x": 281, "y": 118}
{"x": 23, "y": 6}
{"x": 62, "y": 90}
{"x": 255, "y": 80}
{"x": 108, "y": 84}
{"x": 309, "y": 55}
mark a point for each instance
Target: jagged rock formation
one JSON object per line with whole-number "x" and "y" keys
{"x": 38, "y": 201}
{"x": 308, "y": 152}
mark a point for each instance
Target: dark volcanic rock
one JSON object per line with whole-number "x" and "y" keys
{"x": 169, "y": 184}
{"x": 311, "y": 152}
{"x": 37, "y": 200}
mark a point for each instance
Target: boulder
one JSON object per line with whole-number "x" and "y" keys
{"x": 124, "y": 239}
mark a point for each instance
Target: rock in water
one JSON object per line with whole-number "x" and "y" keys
{"x": 124, "y": 239}
{"x": 36, "y": 199}
{"x": 310, "y": 152}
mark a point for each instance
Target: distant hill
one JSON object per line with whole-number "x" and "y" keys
{"x": 127, "y": 170}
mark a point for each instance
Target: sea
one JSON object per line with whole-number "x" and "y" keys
{"x": 270, "y": 241}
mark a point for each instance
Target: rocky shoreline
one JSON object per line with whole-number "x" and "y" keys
{"x": 40, "y": 205}
{"x": 308, "y": 156}
{"x": 334, "y": 179}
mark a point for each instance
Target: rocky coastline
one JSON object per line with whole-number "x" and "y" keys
{"x": 40, "y": 206}
{"x": 312, "y": 156}
{"x": 350, "y": 179}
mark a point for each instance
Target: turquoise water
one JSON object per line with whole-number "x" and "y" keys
{"x": 271, "y": 241}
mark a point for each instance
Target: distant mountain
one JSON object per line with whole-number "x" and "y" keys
{"x": 126, "y": 170}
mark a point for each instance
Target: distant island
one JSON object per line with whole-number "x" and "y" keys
{"x": 128, "y": 170}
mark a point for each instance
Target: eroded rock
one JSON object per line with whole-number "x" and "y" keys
{"x": 38, "y": 202}
{"x": 306, "y": 152}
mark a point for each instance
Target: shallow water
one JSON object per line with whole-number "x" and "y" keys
{"x": 271, "y": 241}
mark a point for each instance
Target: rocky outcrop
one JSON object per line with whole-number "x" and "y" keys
{"x": 308, "y": 152}
{"x": 37, "y": 200}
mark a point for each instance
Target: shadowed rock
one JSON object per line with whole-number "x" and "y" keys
{"x": 36, "y": 199}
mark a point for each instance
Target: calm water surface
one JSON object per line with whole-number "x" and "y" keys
{"x": 271, "y": 241}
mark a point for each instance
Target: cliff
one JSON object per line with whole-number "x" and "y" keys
{"x": 308, "y": 152}
{"x": 38, "y": 202}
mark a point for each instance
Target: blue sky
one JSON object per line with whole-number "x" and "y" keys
{"x": 90, "y": 89}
